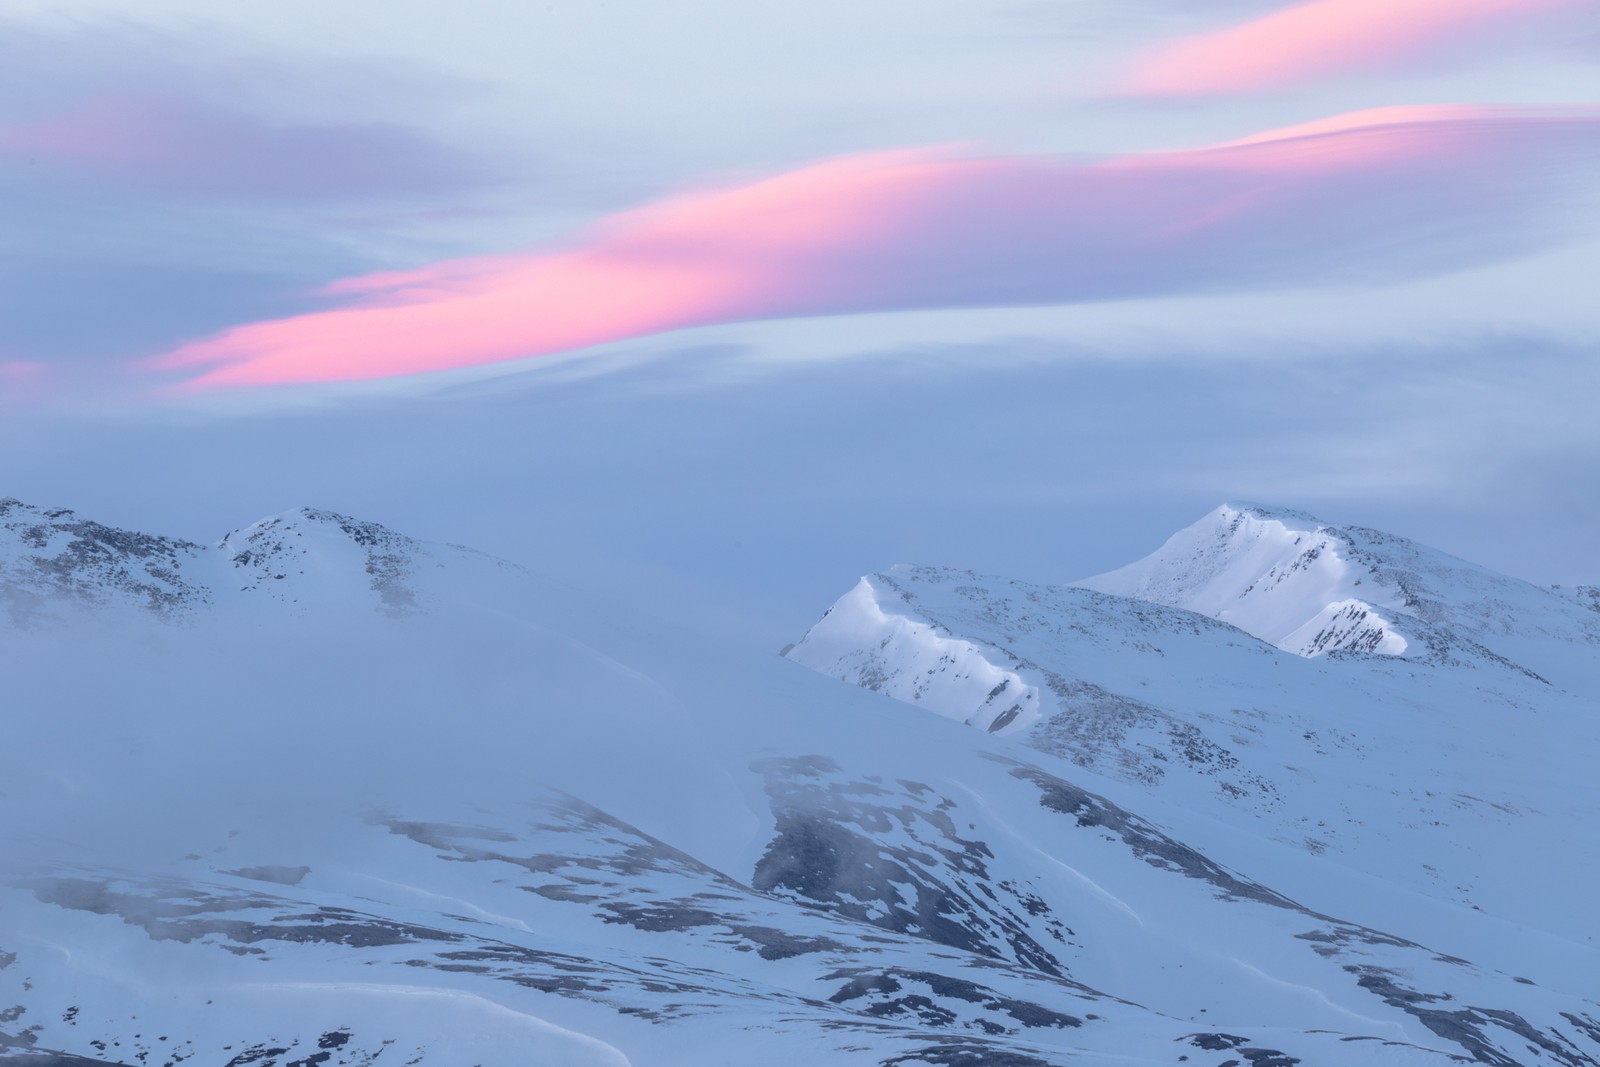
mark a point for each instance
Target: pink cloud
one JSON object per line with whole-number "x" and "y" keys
{"x": 1374, "y": 117}
{"x": 1320, "y": 38}
{"x": 20, "y": 370}
{"x": 172, "y": 144}
{"x": 20, "y": 380}
{"x": 1395, "y": 193}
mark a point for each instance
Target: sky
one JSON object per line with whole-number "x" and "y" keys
{"x": 730, "y": 303}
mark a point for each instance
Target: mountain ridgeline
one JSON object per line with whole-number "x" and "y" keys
{"x": 1281, "y": 793}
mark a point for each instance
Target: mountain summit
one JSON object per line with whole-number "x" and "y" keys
{"x": 1279, "y": 575}
{"x": 1311, "y": 587}
{"x": 324, "y": 795}
{"x": 1344, "y": 691}
{"x": 53, "y": 561}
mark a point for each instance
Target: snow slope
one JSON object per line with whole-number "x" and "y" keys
{"x": 292, "y": 820}
{"x": 1453, "y": 773}
{"x": 1281, "y": 576}
{"x": 1311, "y": 588}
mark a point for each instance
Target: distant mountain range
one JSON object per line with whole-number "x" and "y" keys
{"x": 1281, "y": 793}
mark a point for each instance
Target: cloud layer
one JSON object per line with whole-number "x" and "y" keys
{"x": 1386, "y": 196}
{"x": 170, "y": 144}
{"x": 1313, "y": 40}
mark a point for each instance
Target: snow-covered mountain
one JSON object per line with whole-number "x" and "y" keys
{"x": 52, "y": 561}
{"x": 1311, "y": 588}
{"x": 1282, "y": 576}
{"x": 1449, "y": 755}
{"x": 329, "y": 795}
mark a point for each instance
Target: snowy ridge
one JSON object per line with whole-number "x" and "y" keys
{"x": 52, "y": 561}
{"x": 1412, "y": 769}
{"x": 1311, "y": 587}
{"x": 1279, "y": 575}
{"x": 859, "y": 640}
{"x": 497, "y": 827}
{"x": 309, "y": 549}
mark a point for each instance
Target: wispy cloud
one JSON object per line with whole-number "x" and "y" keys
{"x": 1317, "y": 39}
{"x": 170, "y": 144}
{"x": 1375, "y": 197}
{"x": 178, "y": 175}
{"x": 21, "y": 380}
{"x": 19, "y": 370}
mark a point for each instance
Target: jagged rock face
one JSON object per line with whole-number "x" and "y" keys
{"x": 455, "y": 828}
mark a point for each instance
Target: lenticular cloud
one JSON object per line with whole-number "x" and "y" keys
{"x": 1310, "y": 41}
{"x": 1372, "y": 196}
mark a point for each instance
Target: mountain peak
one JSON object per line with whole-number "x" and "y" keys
{"x": 274, "y": 555}
{"x": 52, "y": 560}
{"x": 1289, "y": 517}
{"x": 1279, "y": 574}
{"x": 1312, "y": 587}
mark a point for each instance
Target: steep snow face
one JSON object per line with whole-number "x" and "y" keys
{"x": 858, "y": 641}
{"x": 1310, "y": 587}
{"x": 1279, "y": 575}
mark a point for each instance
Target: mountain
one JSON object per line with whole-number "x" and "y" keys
{"x": 333, "y": 795}
{"x": 1311, "y": 588}
{"x": 53, "y": 561}
{"x": 1445, "y": 752}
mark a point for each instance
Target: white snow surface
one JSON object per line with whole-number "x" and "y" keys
{"x": 1282, "y": 576}
{"x": 1455, "y": 771}
{"x": 943, "y": 674}
{"x": 407, "y": 803}
{"x": 1312, "y": 587}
